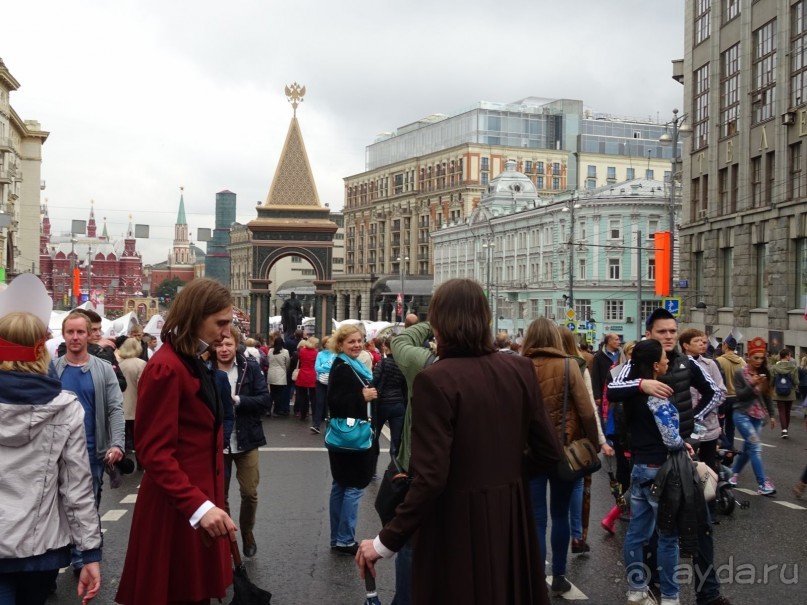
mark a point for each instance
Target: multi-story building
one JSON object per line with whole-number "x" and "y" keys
{"x": 517, "y": 244}
{"x": 434, "y": 172}
{"x": 217, "y": 259}
{"x": 20, "y": 183}
{"x": 744, "y": 227}
{"x": 185, "y": 261}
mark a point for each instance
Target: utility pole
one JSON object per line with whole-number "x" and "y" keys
{"x": 678, "y": 130}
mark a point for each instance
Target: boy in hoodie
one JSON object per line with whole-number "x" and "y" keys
{"x": 785, "y": 382}
{"x": 729, "y": 361}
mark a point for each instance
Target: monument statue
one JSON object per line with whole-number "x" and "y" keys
{"x": 291, "y": 315}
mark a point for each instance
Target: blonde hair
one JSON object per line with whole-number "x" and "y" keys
{"x": 26, "y": 329}
{"x": 341, "y": 335}
{"x": 77, "y": 315}
{"x": 235, "y": 333}
{"x": 627, "y": 348}
{"x": 250, "y": 342}
{"x": 131, "y": 347}
{"x": 312, "y": 342}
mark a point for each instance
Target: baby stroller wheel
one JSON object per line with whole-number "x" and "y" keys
{"x": 724, "y": 500}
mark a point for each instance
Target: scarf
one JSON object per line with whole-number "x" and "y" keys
{"x": 357, "y": 366}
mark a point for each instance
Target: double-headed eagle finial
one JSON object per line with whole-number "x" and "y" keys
{"x": 295, "y": 93}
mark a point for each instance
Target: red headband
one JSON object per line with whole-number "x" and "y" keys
{"x": 10, "y": 351}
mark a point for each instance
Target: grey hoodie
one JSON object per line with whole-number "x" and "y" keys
{"x": 45, "y": 481}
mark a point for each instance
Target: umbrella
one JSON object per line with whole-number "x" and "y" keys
{"x": 369, "y": 585}
{"x": 244, "y": 591}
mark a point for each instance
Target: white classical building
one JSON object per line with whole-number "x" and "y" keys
{"x": 518, "y": 245}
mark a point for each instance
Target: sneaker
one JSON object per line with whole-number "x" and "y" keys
{"x": 350, "y": 549}
{"x": 766, "y": 489}
{"x": 609, "y": 527}
{"x": 798, "y": 489}
{"x": 784, "y": 433}
{"x": 643, "y": 597}
{"x": 315, "y": 430}
{"x": 733, "y": 479}
{"x": 560, "y": 585}
{"x": 669, "y": 601}
{"x": 580, "y": 546}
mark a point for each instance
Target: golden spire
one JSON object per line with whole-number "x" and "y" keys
{"x": 295, "y": 93}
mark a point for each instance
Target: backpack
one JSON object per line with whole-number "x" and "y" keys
{"x": 784, "y": 384}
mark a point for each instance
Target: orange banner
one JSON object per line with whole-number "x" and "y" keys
{"x": 663, "y": 247}
{"x": 76, "y": 283}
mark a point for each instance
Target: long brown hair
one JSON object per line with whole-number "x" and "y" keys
{"x": 460, "y": 316}
{"x": 198, "y": 300}
{"x": 541, "y": 334}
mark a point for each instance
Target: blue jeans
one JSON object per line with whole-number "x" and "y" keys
{"x": 560, "y": 494}
{"x": 576, "y": 510}
{"x": 344, "y": 513}
{"x": 644, "y": 510}
{"x": 749, "y": 428}
{"x": 97, "y": 472}
{"x": 26, "y": 587}
{"x": 393, "y": 413}
{"x": 403, "y": 576}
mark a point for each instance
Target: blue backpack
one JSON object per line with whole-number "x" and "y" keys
{"x": 784, "y": 384}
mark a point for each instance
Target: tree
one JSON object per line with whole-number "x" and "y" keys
{"x": 167, "y": 290}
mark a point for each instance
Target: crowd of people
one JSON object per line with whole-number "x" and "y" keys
{"x": 479, "y": 425}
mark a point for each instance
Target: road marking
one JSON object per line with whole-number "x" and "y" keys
{"x": 114, "y": 515}
{"x": 303, "y": 449}
{"x": 130, "y": 499}
{"x": 790, "y": 505}
{"x": 575, "y": 594}
{"x": 750, "y": 492}
{"x": 762, "y": 444}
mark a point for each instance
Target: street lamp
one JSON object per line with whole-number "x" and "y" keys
{"x": 402, "y": 268}
{"x": 676, "y": 129}
{"x": 570, "y": 207}
{"x": 489, "y": 245}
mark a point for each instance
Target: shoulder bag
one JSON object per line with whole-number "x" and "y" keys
{"x": 350, "y": 435}
{"x": 580, "y": 456}
{"x": 296, "y": 371}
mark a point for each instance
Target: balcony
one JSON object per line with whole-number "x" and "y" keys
{"x": 5, "y": 144}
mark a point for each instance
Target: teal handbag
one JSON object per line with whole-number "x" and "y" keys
{"x": 349, "y": 435}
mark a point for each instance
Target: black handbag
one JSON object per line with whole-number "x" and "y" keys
{"x": 392, "y": 491}
{"x": 580, "y": 456}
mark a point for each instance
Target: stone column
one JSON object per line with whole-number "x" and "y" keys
{"x": 365, "y": 304}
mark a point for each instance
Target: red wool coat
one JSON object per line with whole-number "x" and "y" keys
{"x": 181, "y": 450}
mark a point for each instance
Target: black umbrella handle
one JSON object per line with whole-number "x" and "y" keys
{"x": 369, "y": 580}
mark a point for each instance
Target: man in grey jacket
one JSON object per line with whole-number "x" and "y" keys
{"x": 96, "y": 386}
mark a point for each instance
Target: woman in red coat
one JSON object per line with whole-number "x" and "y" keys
{"x": 179, "y": 545}
{"x": 306, "y": 383}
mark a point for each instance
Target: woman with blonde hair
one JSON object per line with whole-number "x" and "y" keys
{"x": 131, "y": 364}
{"x": 556, "y": 373}
{"x": 46, "y": 487}
{"x": 322, "y": 365}
{"x": 306, "y": 383}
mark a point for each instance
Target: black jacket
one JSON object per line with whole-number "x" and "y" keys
{"x": 254, "y": 402}
{"x": 600, "y": 373}
{"x": 390, "y": 382}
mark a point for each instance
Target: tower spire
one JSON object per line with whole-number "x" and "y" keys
{"x": 181, "y": 215}
{"x": 91, "y": 227}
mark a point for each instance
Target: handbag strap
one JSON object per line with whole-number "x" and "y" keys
{"x": 565, "y": 400}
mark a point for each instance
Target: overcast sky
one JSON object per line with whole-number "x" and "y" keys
{"x": 144, "y": 96}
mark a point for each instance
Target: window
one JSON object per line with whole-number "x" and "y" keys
{"x": 338, "y": 260}
{"x": 539, "y": 167}
{"x": 798, "y": 54}
{"x": 484, "y": 178}
{"x": 756, "y": 181}
{"x": 591, "y": 184}
{"x": 764, "y": 73}
{"x": 296, "y": 259}
{"x": 555, "y": 183}
{"x": 698, "y": 271}
{"x": 539, "y": 182}
{"x": 700, "y": 108}
{"x": 592, "y": 172}
{"x": 631, "y": 174}
{"x": 485, "y": 164}
{"x": 649, "y": 174}
{"x": 535, "y": 308}
{"x": 548, "y": 305}
{"x": 702, "y": 20}
{"x": 614, "y": 310}
{"x": 528, "y": 166}
{"x": 795, "y": 187}
{"x": 556, "y": 168}
{"x": 582, "y": 306}
{"x": 611, "y": 175}
{"x": 723, "y": 189}
{"x": 730, "y": 91}
{"x": 728, "y": 277}
{"x": 735, "y": 186}
{"x": 648, "y": 306}
{"x": 614, "y": 268}
{"x": 652, "y": 227}
{"x": 801, "y": 273}
{"x": 651, "y": 269}
{"x": 581, "y": 269}
{"x": 770, "y": 173}
{"x": 614, "y": 228}
{"x": 731, "y": 8}
{"x": 761, "y": 298}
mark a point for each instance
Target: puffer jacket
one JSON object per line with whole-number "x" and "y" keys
{"x": 46, "y": 486}
{"x": 581, "y": 421}
{"x": 785, "y": 367}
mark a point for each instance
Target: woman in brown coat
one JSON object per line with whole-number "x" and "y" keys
{"x": 468, "y": 507}
{"x": 543, "y": 346}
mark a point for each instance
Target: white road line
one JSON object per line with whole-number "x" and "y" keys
{"x": 762, "y": 444}
{"x": 114, "y": 515}
{"x": 790, "y": 505}
{"x": 575, "y": 594}
{"x": 750, "y": 492}
{"x": 302, "y": 449}
{"x": 130, "y": 499}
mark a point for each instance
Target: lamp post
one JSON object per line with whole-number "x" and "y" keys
{"x": 489, "y": 245}
{"x": 676, "y": 129}
{"x": 402, "y": 268}
{"x": 570, "y": 207}
{"x": 89, "y": 272}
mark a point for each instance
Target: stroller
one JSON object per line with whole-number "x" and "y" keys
{"x": 725, "y": 500}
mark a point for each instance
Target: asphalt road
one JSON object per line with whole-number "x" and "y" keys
{"x": 295, "y": 563}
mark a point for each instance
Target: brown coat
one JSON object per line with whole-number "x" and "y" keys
{"x": 468, "y": 507}
{"x": 580, "y": 419}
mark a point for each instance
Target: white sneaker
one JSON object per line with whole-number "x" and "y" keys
{"x": 667, "y": 601}
{"x": 636, "y": 597}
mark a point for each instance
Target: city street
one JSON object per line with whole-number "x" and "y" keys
{"x": 295, "y": 563}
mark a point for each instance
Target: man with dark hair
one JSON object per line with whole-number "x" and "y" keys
{"x": 607, "y": 357}
{"x": 729, "y": 361}
{"x": 682, "y": 373}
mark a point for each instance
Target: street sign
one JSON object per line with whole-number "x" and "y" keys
{"x": 572, "y": 326}
{"x": 684, "y": 283}
{"x": 570, "y": 314}
{"x": 673, "y": 305}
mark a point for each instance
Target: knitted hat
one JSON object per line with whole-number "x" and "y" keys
{"x": 757, "y": 345}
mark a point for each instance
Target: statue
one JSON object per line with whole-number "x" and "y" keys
{"x": 291, "y": 315}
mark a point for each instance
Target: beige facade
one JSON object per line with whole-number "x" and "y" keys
{"x": 744, "y": 228}
{"x": 601, "y": 170}
{"x": 20, "y": 183}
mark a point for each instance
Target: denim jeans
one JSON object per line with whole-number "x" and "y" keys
{"x": 576, "y": 510}
{"x": 392, "y": 413}
{"x": 403, "y": 576}
{"x": 26, "y": 587}
{"x": 749, "y": 428}
{"x": 644, "y": 510}
{"x": 344, "y": 510}
{"x": 560, "y": 493}
{"x": 318, "y": 409}
{"x": 97, "y": 472}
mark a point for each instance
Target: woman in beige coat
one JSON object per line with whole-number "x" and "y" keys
{"x": 131, "y": 364}
{"x": 543, "y": 345}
